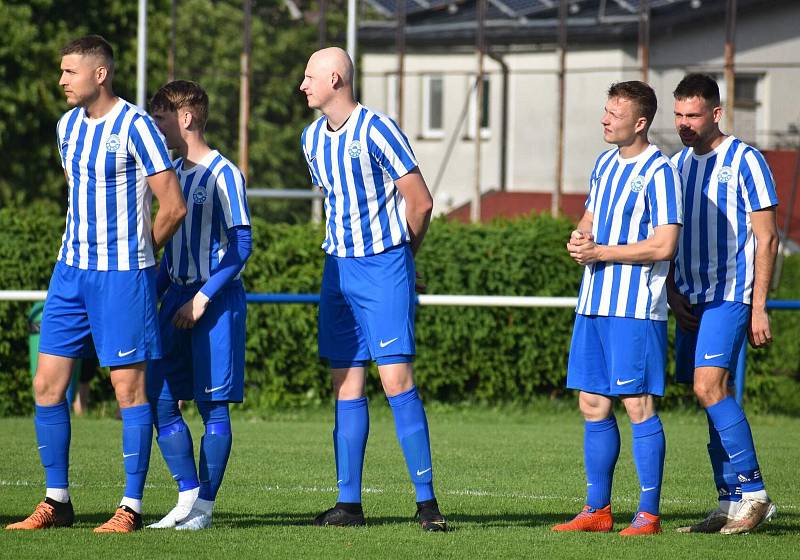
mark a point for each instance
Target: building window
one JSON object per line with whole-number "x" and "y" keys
{"x": 391, "y": 96}
{"x": 433, "y": 106}
{"x": 487, "y": 93}
{"x": 745, "y": 92}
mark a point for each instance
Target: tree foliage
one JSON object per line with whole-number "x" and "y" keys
{"x": 208, "y": 48}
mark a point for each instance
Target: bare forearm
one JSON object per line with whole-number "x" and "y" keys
{"x": 584, "y": 226}
{"x": 168, "y": 220}
{"x": 418, "y": 220}
{"x": 647, "y": 251}
{"x": 766, "y": 251}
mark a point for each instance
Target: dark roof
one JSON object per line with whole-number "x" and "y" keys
{"x": 453, "y": 22}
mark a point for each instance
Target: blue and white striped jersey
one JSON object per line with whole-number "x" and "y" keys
{"x": 628, "y": 199}
{"x": 357, "y": 166}
{"x": 716, "y": 251}
{"x": 215, "y": 201}
{"x": 107, "y": 162}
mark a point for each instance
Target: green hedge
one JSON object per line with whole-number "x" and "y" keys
{"x": 486, "y": 355}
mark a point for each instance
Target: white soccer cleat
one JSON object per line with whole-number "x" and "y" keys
{"x": 752, "y": 512}
{"x": 175, "y": 516}
{"x": 196, "y": 520}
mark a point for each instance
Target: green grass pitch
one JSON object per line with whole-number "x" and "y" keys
{"x": 503, "y": 477}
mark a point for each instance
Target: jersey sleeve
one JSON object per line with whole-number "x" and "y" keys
{"x": 757, "y": 182}
{"x": 311, "y": 164}
{"x": 664, "y": 196}
{"x": 232, "y": 198}
{"x": 594, "y": 181}
{"x": 147, "y": 146}
{"x": 390, "y": 148}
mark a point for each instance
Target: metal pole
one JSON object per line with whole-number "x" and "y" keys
{"x": 244, "y": 92}
{"x": 475, "y": 214}
{"x": 730, "y": 74}
{"x": 316, "y": 202}
{"x": 555, "y": 202}
{"x": 644, "y": 38}
{"x": 352, "y": 15}
{"x": 400, "y": 47}
{"x": 173, "y": 23}
{"x": 141, "y": 55}
{"x": 323, "y": 23}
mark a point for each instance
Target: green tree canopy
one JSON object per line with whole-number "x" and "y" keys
{"x": 208, "y": 48}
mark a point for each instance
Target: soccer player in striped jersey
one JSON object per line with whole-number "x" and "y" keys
{"x": 103, "y": 286}
{"x": 203, "y": 310}
{"x": 718, "y": 291}
{"x": 625, "y": 240}
{"x": 378, "y": 208}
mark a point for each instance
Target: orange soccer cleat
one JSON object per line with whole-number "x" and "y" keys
{"x": 47, "y": 514}
{"x": 643, "y": 524}
{"x": 125, "y": 520}
{"x": 589, "y": 519}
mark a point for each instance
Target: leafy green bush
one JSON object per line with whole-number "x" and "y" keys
{"x": 466, "y": 354}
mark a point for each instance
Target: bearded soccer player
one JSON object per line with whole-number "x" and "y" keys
{"x": 378, "y": 209}
{"x": 203, "y": 309}
{"x": 718, "y": 292}
{"x": 103, "y": 287}
{"x": 625, "y": 240}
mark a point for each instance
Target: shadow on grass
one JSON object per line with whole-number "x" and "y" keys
{"x": 784, "y": 523}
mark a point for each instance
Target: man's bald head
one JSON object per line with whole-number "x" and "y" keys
{"x": 328, "y": 78}
{"x": 334, "y": 59}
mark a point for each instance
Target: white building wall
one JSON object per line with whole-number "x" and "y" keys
{"x": 768, "y": 45}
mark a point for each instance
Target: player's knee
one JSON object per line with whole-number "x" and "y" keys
{"x": 707, "y": 393}
{"x": 129, "y": 395}
{"x": 46, "y": 391}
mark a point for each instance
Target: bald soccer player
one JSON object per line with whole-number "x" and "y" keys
{"x": 377, "y": 208}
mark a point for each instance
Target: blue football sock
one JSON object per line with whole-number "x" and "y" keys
{"x": 728, "y": 486}
{"x": 411, "y": 426}
{"x": 215, "y": 447}
{"x": 350, "y": 434}
{"x": 737, "y": 440}
{"x": 137, "y": 438}
{"x": 649, "y": 450}
{"x": 52, "y": 437}
{"x": 175, "y": 441}
{"x": 600, "y": 453}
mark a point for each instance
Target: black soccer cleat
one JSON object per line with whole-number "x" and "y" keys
{"x": 341, "y": 515}
{"x": 430, "y": 518}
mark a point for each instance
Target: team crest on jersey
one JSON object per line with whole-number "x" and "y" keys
{"x": 354, "y": 149}
{"x": 113, "y": 143}
{"x": 199, "y": 195}
{"x": 637, "y": 184}
{"x": 725, "y": 174}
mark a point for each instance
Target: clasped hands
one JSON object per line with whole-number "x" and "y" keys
{"x": 582, "y": 248}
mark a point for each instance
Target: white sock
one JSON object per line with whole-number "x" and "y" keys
{"x": 133, "y": 503}
{"x": 728, "y": 507}
{"x": 759, "y": 495}
{"x": 204, "y": 505}
{"x": 58, "y": 494}
{"x": 188, "y": 497}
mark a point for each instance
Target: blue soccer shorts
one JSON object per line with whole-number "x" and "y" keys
{"x": 617, "y": 356}
{"x": 113, "y": 309}
{"x": 721, "y": 331}
{"x": 367, "y": 307}
{"x": 206, "y": 362}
